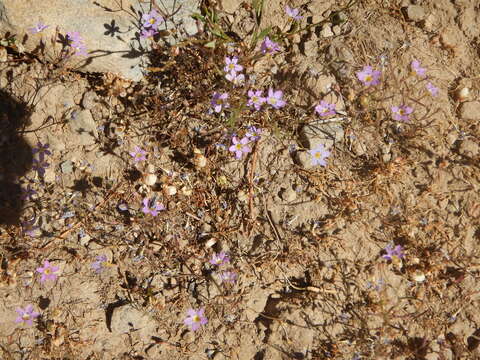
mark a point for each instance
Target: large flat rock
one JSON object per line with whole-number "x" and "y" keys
{"x": 110, "y": 34}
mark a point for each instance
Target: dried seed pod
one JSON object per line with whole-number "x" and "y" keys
{"x": 210, "y": 243}
{"x": 186, "y": 191}
{"x": 199, "y": 160}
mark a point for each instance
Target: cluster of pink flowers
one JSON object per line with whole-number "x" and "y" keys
{"x": 370, "y": 77}
{"x": 150, "y": 24}
{"x": 232, "y": 69}
{"x": 242, "y": 146}
{"x": 273, "y": 98}
{"x": 221, "y": 259}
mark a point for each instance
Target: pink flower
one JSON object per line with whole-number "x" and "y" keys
{"x": 75, "y": 42}
{"x": 368, "y": 76}
{"x": 219, "y": 259}
{"x": 240, "y": 147}
{"x": 417, "y": 68}
{"x": 26, "y": 315}
{"x": 253, "y": 133}
{"x": 319, "y": 154}
{"x": 325, "y": 109}
{"x": 219, "y": 101}
{"x": 256, "y": 99}
{"x": 400, "y": 113}
{"x": 293, "y": 13}
{"x": 48, "y": 272}
{"x": 138, "y": 154}
{"x": 151, "y": 20}
{"x": 274, "y": 98}
{"x": 232, "y": 64}
{"x": 195, "y": 319}
{"x": 392, "y": 252}
{"x": 432, "y": 89}
{"x": 269, "y": 46}
{"x": 152, "y": 207}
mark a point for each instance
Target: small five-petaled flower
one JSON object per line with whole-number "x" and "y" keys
{"x": 401, "y": 113}
{"x": 325, "y": 109}
{"x": 256, "y": 99}
{"x": 26, "y": 315}
{"x": 100, "y": 263}
{"x": 393, "y": 252}
{"x": 240, "y": 147}
{"x": 195, "y": 319}
{"x": 319, "y": 154}
{"x": 368, "y": 76}
{"x": 228, "y": 276}
{"x": 274, "y": 98}
{"x": 48, "y": 271}
{"x": 138, "y": 154}
{"x": 432, "y": 89}
{"x": 253, "y": 133}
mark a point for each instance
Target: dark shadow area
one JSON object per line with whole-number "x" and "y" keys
{"x": 15, "y": 159}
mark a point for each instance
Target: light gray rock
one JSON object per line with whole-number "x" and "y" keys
{"x": 288, "y": 195}
{"x": 469, "y": 147}
{"x": 316, "y": 133}
{"x": 470, "y": 110}
{"x": 415, "y": 13}
{"x": 127, "y": 319}
{"x": 89, "y": 100}
{"x": 66, "y": 167}
{"x": 83, "y": 127}
{"x": 110, "y": 34}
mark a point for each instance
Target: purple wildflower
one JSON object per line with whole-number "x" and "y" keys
{"x": 99, "y": 264}
{"x": 319, "y": 154}
{"x": 38, "y": 28}
{"x": 228, "y": 276}
{"x": 368, "y": 76}
{"x": 240, "y": 147}
{"x": 219, "y": 259}
{"x": 392, "y": 252}
{"x": 400, "y": 113}
{"x": 152, "y": 207}
{"x": 256, "y": 99}
{"x": 138, "y": 154}
{"x": 151, "y": 19}
{"x": 148, "y": 33}
{"x": 325, "y": 109}
{"x": 432, "y": 89}
{"x": 253, "y": 133}
{"x": 219, "y": 101}
{"x": 41, "y": 149}
{"x": 195, "y": 319}
{"x": 75, "y": 42}
{"x": 274, "y": 98}
{"x": 417, "y": 69}
{"x": 293, "y": 13}
{"x": 232, "y": 65}
{"x": 235, "y": 78}
{"x": 269, "y": 46}
{"x": 39, "y": 165}
{"x": 48, "y": 271}
{"x": 26, "y": 315}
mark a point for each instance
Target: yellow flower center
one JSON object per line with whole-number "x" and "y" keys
{"x": 238, "y": 147}
{"x": 401, "y": 111}
{"x": 272, "y": 101}
{"x": 318, "y": 155}
{"x": 196, "y": 318}
{"x": 368, "y": 78}
{"x": 47, "y": 271}
{"x": 152, "y": 21}
{"x": 26, "y": 316}
{"x": 231, "y": 66}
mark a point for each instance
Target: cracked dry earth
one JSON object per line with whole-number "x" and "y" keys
{"x": 307, "y": 246}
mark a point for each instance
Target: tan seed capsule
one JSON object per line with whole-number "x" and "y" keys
{"x": 169, "y": 190}
{"x": 462, "y": 94}
{"x": 150, "y": 179}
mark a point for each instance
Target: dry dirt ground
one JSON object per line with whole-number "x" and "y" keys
{"x": 305, "y": 242}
